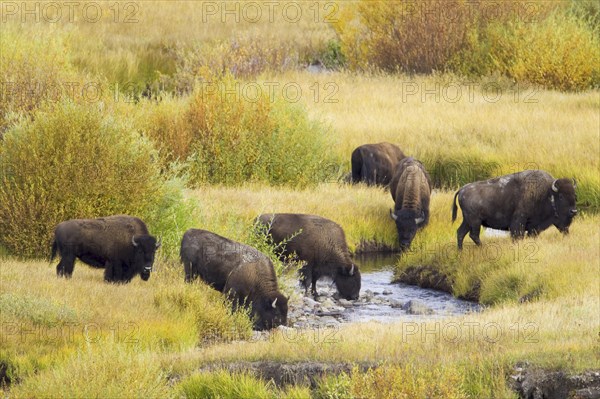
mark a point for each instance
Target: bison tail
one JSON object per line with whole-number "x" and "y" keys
{"x": 54, "y": 249}
{"x": 454, "y": 207}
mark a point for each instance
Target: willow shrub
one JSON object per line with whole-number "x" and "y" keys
{"x": 34, "y": 68}
{"x": 74, "y": 161}
{"x": 229, "y": 132}
{"x": 550, "y": 44}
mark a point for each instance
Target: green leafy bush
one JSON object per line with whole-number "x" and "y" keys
{"x": 74, "y": 161}
{"x": 228, "y": 138}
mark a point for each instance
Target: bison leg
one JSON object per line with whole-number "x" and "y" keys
{"x": 474, "y": 233}
{"x": 108, "y": 272}
{"x": 188, "y": 267}
{"x": 461, "y": 233}
{"x": 113, "y": 272}
{"x": 305, "y": 278}
{"x": 65, "y": 266}
{"x": 517, "y": 230}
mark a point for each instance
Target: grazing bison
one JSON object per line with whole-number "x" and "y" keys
{"x": 321, "y": 243}
{"x": 410, "y": 188}
{"x": 528, "y": 201}
{"x": 245, "y": 274}
{"x": 120, "y": 244}
{"x": 374, "y": 164}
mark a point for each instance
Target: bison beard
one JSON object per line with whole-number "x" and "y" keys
{"x": 524, "y": 202}
{"x": 321, "y": 243}
{"x": 245, "y": 274}
{"x": 120, "y": 244}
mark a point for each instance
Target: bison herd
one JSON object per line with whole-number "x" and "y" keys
{"x": 525, "y": 202}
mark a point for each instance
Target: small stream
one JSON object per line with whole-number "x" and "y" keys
{"x": 380, "y": 300}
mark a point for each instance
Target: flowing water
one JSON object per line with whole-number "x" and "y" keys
{"x": 377, "y": 275}
{"x": 380, "y": 300}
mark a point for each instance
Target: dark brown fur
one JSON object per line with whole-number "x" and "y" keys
{"x": 411, "y": 190}
{"x": 521, "y": 203}
{"x": 322, "y": 245}
{"x": 105, "y": 243}
{"x": 241, "y": 271}
{"x": 374, "y": 164}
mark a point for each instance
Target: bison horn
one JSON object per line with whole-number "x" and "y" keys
{"x": 274, "y": 303}
{"x": 352, "y": 270}
{"x": 554, "y": 188}
{"x": 393, "y": 215}
{"x": 159, "y": 243}
{"x": 133, "y": 241}
{"x": 419, "y": 220}
{"x": 574, "y": 183}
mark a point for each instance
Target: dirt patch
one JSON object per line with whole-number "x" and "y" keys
{"x": 282, "y": 374}
{"x": 426, "y": 277}
{"x": 532, "y": 383}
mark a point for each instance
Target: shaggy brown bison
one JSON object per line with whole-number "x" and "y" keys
{"x": 374, "y": 164}
{"x": 120, "y": 244}
{"x": 321, "y": 243}
{"x": 245, "y": 274}
{"x": 528, "y": 201}
{"x": 411, "y": 189}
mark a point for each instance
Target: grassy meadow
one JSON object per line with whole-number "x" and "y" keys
{"x": 233, "y": 123}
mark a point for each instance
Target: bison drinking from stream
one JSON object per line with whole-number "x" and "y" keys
{"x": 525, "y": 202}
{"x": 411, "y": 189}
{"x": 321, "y": 243}
{"x": 120, "y": 244}
{"x": 243, "y": 273}
{"x": 374, "y": 164}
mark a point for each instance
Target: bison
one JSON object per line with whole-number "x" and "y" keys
{"x": 321, "y": 243}
{"x": 524, "y": 202}
{"x": 411, "y": 189}
{"x": 120, "y": 244}
{"x": 374, "y": 164}
{"x": 243, "y": 273}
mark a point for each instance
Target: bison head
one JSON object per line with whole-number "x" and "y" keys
{"x": 145, "y": 247}
{"x": 563, "y": 200}
{"x": 407, "y": 223}
{"x": 347, "y": 280}
{"x": 271, "y": 312}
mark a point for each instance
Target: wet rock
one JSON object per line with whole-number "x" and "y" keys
{"x": 417, "y": 307}
{"x": 310, "y": 302}
{"x": 387, "y": 292}
{"x": 396, "y": 304}
{"x": 329, "y": 321}
{"x": 327, "y": 303}
{"x": 345, "y": 303}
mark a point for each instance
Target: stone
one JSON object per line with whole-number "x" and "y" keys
{"x": 310, "y": 302}
{"x": 417, "y": 307}
{"x": 345, "y": 303}
{"x": 396, "y": 304}
{"x": 387, "y": 292}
